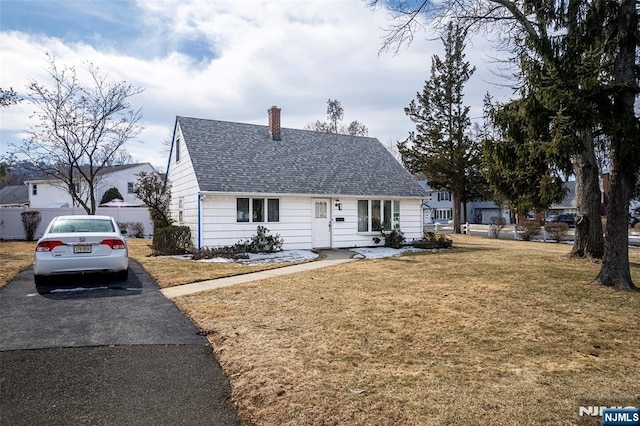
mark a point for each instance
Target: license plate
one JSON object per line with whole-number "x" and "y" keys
{"x": 82, "y": 248}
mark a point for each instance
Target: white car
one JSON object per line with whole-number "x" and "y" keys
{"x": 79, "y": 244}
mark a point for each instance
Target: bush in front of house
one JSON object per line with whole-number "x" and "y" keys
{"x": 497, "y": 224}
{"x": 30, "y": 222}
{"x": 227, "y": 252}
{"x": 528, "y": 229}
{"x": 262, "y": 242}
{"x": 431, "y": 240}
{"x": 135, "y": 229}
{"x": 556, "y": 230}
{"x": 636, "y": 227}
{"x": 172, "y": 240}
{"x": 394, "y": 239}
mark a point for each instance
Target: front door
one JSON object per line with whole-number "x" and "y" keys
{"x": 321, "y": 226}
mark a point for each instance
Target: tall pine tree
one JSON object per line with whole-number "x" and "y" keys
{"x": 440, "y": 148}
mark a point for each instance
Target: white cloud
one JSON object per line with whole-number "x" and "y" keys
{"x": 292, "y": 54}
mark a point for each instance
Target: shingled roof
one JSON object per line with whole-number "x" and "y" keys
{"x": 243, "y": 158}
{"x": 14, "y": 195}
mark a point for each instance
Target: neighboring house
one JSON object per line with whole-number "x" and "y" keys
{"x": 48, "y": 192}
{"x": 14, "y": 196}
{"x": 438, "y": 208}
{"x": 317, "y": 190}
{"x": 568, "y": 204}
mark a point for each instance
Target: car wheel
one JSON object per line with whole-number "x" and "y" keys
{"x": 40, "y": 279}
{"x": 122, "y": 275}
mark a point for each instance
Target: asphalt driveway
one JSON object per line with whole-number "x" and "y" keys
{"x": 91, "y": 350}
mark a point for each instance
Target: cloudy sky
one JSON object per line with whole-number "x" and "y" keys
{"x": 229, "y": 60}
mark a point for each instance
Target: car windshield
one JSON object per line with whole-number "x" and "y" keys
{"x": 82, "y": 225}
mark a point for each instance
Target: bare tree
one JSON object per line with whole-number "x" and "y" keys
{"x": 81, "y": 129}
{"x": 8, "y": 97}
{"x": 335, "y": 114}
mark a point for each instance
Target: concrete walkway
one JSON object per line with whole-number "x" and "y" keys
{"x": 331, "y": 258}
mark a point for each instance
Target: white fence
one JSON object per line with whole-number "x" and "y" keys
{"x": 11, "y": 227}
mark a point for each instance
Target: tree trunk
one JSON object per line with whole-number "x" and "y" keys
{"x": 455, "y": 201}
{"x": 588, "y": 235}
{"x": 625, "y": 144}
{"x": 615, "y": 270}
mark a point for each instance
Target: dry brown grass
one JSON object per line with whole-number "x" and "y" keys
{"x": 15, "y": 257}
{"x": 492, "y": 332}
{"x": 169, "y": 272}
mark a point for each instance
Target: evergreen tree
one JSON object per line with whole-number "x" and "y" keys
{"x": 440, "y": 148}
{"x": 111, "y": 194}
{"x": 518, "y": 156}
{"x": 153, "y": 189}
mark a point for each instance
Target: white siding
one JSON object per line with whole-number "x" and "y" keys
{"x": 184, "y": 185}
{"x": 220, "y": 227}
{"x": 48, "y": 195}
{"x": 120, "y": 180}
{"x": 345, "y": 234}
{"x": 51, "y": 194}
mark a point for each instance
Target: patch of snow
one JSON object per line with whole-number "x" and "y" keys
{"x": 381, "y": 252}
{"x": 280, "y": 256}
{"x": 215, "y": 260}
{"x": 72, "y": 290}
{"x": 263, "y": 258}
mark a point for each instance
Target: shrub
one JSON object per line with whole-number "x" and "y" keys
{"x": 111, "y": 194}
{"x": 172, "y": 240}
{"x": 394, "y": 239}
{"x": 262, "y": 242}
{"x": 135, "y": 229}
{"x": 30, "y": 222}
{"x": 497, "y": 224}
{"x": 227, "y": 252}
{"x": 556, "y": 230}
{"x": 433, "y": 241}
{"x": 636, "y": 227}
{"x": 528, "y": 229}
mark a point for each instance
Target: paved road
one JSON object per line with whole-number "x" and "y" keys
{"x": 90, "y": 350}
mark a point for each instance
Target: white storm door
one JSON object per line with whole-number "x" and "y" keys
{"x": 321, "y": 223}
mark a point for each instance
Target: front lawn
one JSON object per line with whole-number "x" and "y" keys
{"x": 169, "y": 272}
{"x": 491, "y": 332}
{"x": 15, "y": 257}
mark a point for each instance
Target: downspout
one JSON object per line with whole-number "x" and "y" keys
{"x": 199, "y": 220}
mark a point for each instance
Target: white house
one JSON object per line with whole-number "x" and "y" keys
{"x": 317, "y": 190}
{"x": 438, "y": 208}
{"x": 48, "y": 192}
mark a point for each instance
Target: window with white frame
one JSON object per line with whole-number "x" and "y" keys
{"x": 444, "y": 214}
{"x": 253, "y": 210}
{"x": 130, "y": 186}
{"x": 34, "y": 189}
{"x": 180, "y": 210}
{"x": 177, "y": 150}
{"x": 378, "y": 215}
{"x": 444, "y": 196}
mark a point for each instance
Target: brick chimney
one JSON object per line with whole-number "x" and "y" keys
{"x": 274, "y": 123}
